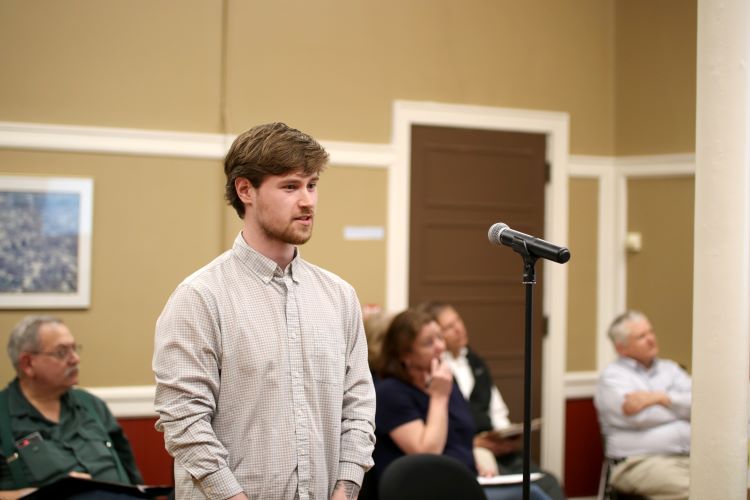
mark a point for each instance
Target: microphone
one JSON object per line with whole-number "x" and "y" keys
{"x": 501, "y": 234}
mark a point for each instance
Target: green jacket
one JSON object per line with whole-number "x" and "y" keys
{"x": 79, "y": 442}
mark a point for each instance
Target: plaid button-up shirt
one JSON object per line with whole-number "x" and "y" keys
{"x": 262, "y": 380}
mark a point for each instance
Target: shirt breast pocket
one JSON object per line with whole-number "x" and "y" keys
{"x": 328, "y": 364}
{"x": 46, "y": 461}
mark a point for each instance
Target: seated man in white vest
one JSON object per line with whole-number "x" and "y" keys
{"x": 487, "y": 406}
{"x": 644, "y": 411}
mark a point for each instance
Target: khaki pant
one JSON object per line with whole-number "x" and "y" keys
{"x": 661, "y": 477}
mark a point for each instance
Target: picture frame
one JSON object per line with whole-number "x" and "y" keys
{"x": 45, "y": 242}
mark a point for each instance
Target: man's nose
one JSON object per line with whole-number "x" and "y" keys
{"x": 306, "y": 198}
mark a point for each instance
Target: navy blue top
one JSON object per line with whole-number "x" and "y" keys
{"x": 399, "y": 403}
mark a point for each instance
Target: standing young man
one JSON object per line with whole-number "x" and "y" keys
{"x": 263, "y": 388}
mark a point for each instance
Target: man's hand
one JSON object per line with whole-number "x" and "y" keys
{"x": 636, "y": 401}
{"x": 14, "y": 494}
{"x": 345, "y": 490}
{"x": 79, "y": 475}
{"x": 238, "y": 496}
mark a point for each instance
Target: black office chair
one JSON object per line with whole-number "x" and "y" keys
{"x": 429, "y": 477}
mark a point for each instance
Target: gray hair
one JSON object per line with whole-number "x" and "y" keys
{"x": 619, "y": 330}
{"x": 25, "y": 336}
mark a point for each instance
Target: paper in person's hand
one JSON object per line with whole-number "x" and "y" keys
{"x": 508, "y": 479}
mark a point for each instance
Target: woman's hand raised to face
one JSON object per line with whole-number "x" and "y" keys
{"x": 440, "y": 379}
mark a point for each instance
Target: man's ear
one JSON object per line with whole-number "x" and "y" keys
{"x": 24, "y": 364}
{"x": 620, "y": 349}
{"x": 245, "y": 190}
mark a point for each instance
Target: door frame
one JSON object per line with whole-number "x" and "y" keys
{"x": 554, "y": 303}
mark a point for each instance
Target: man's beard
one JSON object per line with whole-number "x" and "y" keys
{"x": 288, "y": 235}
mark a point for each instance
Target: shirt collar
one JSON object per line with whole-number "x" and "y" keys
{"x": 19, "y": 406}
{"x": 261, "y": 265}
{"x": 637, "y": 366}
{"x": 462, "y": 355}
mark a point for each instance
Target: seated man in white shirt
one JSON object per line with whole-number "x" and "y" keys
{"x": 644, "y": 412}
{"x": 487, "y": 406}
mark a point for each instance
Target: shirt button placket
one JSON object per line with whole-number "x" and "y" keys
{"x": 294, "y": 342}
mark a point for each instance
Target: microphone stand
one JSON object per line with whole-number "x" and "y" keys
{"x": 529, "y": 280}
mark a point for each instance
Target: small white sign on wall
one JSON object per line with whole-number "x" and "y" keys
{"x": 363, "y": 233}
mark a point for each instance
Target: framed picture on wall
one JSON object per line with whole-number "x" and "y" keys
{"x": 45, "y": 242}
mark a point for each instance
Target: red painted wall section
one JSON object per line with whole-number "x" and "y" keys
{"x": 153, "y": 460}
{"x": 583, "y": 449}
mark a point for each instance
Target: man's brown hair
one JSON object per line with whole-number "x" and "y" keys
{"x": 270, "y": 149}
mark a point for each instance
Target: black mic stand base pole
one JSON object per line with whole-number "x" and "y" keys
{"x": 529, "y": 280}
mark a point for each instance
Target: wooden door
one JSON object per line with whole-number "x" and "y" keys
{"x": 462, "y": 182}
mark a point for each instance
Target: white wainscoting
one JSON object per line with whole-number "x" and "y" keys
{"x": 137, "y": 401}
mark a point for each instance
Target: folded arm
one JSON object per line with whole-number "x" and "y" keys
{"x": 623, "y": 405}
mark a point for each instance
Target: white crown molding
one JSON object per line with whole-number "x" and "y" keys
{"x": 128, "y": 402}
{"x": 137, "y": 142}
{"x": 359, "y": 154}
{"x": 137, "y": 401}
{"x": 656, "y": 166}
{"x": 73, "y": 138}
{"x": 141, "y": 142}
{"x": 633, "y": 166}
{"x": 590, "y": 166}
{"x": 580, "y": 385}
{"x": 665, "y": 159}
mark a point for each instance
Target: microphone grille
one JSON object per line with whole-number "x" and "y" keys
{"x": 494, "y": 232}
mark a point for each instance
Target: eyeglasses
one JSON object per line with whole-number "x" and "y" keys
{"x": 62, "y": 353}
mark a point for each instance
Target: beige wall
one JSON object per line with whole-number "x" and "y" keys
{"x": 582, "y": 275}
{"x": 660, "y": 276}
{"x": 339, "y": 78}
{"x": 332, "y": 68}
{"x": 348, "y": 196}
{"x": 155, "y": 221}
{"x": 655, "y": 76}
{"x": 135, "y": 63}
{"x": 352, "y": 196}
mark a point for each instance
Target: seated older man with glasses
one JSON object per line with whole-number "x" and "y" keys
{"x": 48, "y": 429}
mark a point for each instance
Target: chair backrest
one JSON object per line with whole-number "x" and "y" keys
{"x": 429, "y": 477}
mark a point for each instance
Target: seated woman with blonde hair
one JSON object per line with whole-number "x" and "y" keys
{"x": 419, "y": 408}
{"x": 375, "y": 323}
